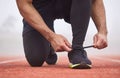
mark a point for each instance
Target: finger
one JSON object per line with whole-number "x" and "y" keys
{"x": 104, "y": 44}
{"x": 59, "y": 49}
{"x": 95, "y": 41}
{"x": 68, "y": 44}
{"x": 63, "y": 47}
{"x": 100, "y": 44}
{"x": 66, "y": 48}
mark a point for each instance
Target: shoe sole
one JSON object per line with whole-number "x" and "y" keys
{"x": 80, "y": 66}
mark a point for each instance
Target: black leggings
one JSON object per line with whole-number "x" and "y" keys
{"x": 37, "y": 48}
{"x": 80, "y": 16}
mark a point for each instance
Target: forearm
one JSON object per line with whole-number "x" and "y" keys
{"x": 98, "y": 16}
{"x": 30, "y": 14}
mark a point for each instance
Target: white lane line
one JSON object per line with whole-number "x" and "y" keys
{"x": 108, "y": 59}
{"x": 9, "y": 61}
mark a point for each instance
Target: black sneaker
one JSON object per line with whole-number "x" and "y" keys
{"x": 79, "y": 59}
{"x": 52, "y": 57}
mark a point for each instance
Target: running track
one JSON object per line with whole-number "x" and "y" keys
{"x": 103, "y": 67}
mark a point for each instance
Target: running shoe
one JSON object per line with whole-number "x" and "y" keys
{"x": 79, "y": 60}
{"x": 52, "y": 57}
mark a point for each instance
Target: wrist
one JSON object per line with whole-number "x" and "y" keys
{"x": 103, "y": 32}
{"x": 50, "y": 36}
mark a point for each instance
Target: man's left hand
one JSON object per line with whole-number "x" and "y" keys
{"x": 100, "y": 41}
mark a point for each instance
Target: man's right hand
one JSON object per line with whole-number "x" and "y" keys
{"x": 60, "y": 43}
{"x": 31, "y": 15}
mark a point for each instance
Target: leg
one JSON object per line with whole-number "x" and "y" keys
{"x": 80, "y": 15}
{"x": 36, "y": 47}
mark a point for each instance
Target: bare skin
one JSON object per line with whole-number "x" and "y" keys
{"x": 59, "y": 42}
{"x": 98, "y": 16}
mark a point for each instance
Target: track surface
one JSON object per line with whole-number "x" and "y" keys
{"x": 17, "y": 67}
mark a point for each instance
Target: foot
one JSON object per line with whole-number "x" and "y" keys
{"x": 79, "y": 59}
{"x": 52, "y": 57}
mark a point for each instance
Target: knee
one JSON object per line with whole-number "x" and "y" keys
{"x": 35, "y": 62}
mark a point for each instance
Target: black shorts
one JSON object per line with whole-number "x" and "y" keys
{"x": 54, "y": 8}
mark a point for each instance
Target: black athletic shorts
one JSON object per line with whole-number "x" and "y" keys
{"x": 54, "y": 8}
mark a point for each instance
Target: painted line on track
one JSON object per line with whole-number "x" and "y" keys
{"x": 108, "y": 59}
{"x": 10, "y": 61}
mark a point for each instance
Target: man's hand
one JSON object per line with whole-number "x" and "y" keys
{"x": 100, "y": 41}
{"x": 99, "y": 18}
{"x": 60, "y": 43}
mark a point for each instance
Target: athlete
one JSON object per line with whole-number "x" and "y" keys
{"x": 41, "y": 42}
